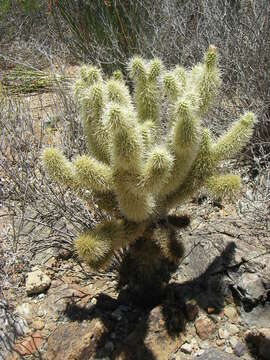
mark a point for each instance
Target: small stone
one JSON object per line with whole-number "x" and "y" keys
{"x": 229, "y": 350}
{"x": 239, "y": 349}
{"x": 198, "y": 353}
{"x": 26, "y": 310}
{"x": 211, "y": 310}
{"x": 51, "y": 262}
{"x": 252, "y": 284}
{"x": 38, "y": 324}
{"x": 29, "y": 345}
{"x": 205, "y": 345}
{"x": 232, "y": 329}
{"x": 94, "y": 301}
{"x": 37, "y": 282}
{"x": 220, "y": 342}
{"x": 233, "y": 341}
{"x": 204, "y": 327}
{"x": 186, "y": 348}
{"x": 223, "y": 334}
{"x": 215, "y": 354}
{"x": 231, "y": 313}
{"x": 192, "y": 310}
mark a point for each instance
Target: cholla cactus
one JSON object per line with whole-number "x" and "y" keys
{"x": 148, "y": 153}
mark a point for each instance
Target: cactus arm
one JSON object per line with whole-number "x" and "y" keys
{"x": 205, "y": 79}
{"x": 58, "y": 167}
{"x": 127, "y": 157}
{"x": 148, "y": 131}
{"x": 93, "y": 174}
{"x": 202, "y": 169}
{"x": 118, "y": 93}
{"x": 157, "y": 169}
{"x": 235, "y": 139}
{"x": 184, "y": 144}
{"x": 88, "y": 76}
{"x": 147, "y": 88}
{"x": 223, "y": 186}
{"x": 92, "y": 106}
{"x": 96, "y": 247}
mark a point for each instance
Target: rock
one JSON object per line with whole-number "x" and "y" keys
{"x": 37, "y": 282}
{"x": 56, "y": 301}
{"x": 229, "y": 350}
{"x": 186, "y": 348}
{"x": 11, "y": 327}
{"x": 205, "y": 345}
{"x": 215, "y": 354}
{"x": 239, "y": 349}
{"x": 251, "y": 285}
{"x": 259, "y": 316}
{"x": 233, "y": 341}
{"x": 64, "y": 254}
{"x": 232, "y": 329}
{"x": 231, "y": 313}
{"x": 220, "y": 342}
{"x": 73, "y": 341}
{"x": 27, "y": 311}
{"x": 204, "y": 327}
{"x": 151, "y": 338}
{"x": 223, "y": 334}
{"x": 192, "y": 310}
{"x": 38, "y": 324}
{"x": 29, "y": 345}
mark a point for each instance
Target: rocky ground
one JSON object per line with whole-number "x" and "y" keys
{"x": 217, "y": 304}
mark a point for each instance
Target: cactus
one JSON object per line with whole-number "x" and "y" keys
{"x": 147, "y": 153}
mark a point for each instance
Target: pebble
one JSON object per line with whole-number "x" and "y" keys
{"x": 231, "y": 313}
{"x": 38, "y": 324}
{"x": 223, "y": 334}
{"x": 229, "y": 350}
{"x": 186, "y": 348}
{"x": 204, "y": 327}
{"x": 232, "y": 329}
{"x": 239, "y": 349}
{"x": 233, "y": 341}
{"x": 220, "y": 342}
{"x": 37, "y": 282}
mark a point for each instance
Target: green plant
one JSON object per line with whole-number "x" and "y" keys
{"x": 102, "y": 32}
{"x": 23, "y": 80}
{"x": 147, "y": 154}
{"x": 23, "y": 6}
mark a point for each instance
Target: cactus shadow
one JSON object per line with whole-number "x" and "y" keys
{"x": 207, "y": 291}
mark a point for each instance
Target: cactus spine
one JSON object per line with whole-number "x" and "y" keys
{"x": 148, "y": 152}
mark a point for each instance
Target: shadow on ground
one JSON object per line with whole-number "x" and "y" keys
{"x": 207, "y": 290}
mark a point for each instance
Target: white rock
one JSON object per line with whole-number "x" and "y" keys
{"x": 223, "y": 334}
{"x": 234, "y": 341}
{"x": 229, "y": 350}
{"x": 26, "y": 311}
{"x": 232, "y": 329}
{"x": 186, "y": 348}
{"x": 37, "y": 282}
